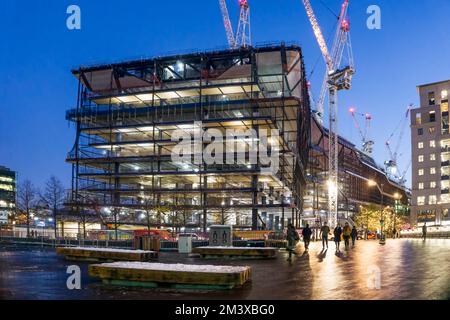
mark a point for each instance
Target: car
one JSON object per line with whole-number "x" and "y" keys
{"x": 194, "y": 236}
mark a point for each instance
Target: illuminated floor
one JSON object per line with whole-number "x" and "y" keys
{"x": 409, "y": 269}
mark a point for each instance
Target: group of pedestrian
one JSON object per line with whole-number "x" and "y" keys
{"x": 347, "y": 233}
{"x": 339, "y": 234}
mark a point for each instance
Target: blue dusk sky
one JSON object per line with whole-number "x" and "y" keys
{"x": 37, "y": 52}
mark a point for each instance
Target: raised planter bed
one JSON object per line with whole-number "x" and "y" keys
{"x": 178, "y": 276}
{"x": 236, "y": 252}
{"x": 105, "y": 254}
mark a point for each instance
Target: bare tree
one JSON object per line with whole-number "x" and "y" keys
{"x": 53, "y": 197}
{"x": 27, "y": 200}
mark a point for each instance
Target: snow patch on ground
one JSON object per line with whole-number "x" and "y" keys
{"x": 107, "y": 250}
{"x": 175, "y": 267}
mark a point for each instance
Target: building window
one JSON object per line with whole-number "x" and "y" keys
{"x": 420, "y": 172}
{"x": 420, "y": 185}
{"x": 444, "y": 94}
{"x": 420, "y": 145}
{"x": 432, "y": 200}
{"x": 431, "y": 99}
{"x": 418, "y": 118}
{"x": 432, "y": 157}
{"x": 432, "y": 184}
{"x": 432, "y": 143}
{"x": 431, "y": 130}
{"x": 420, "y": 158}
{"x": 421, "y": 200}
{"x": 432, "y": 115}
{"x": 420, "y": 131}
{"x": 444, "y": 106}
{"x": 432, "y": 170}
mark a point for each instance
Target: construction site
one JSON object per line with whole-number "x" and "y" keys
{"x": 127, "y": 114}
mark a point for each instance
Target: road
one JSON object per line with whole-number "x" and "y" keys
{"x": 402, "y": 269}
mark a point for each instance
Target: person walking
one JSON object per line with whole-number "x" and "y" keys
{"x": 354, "y": 235}
{"x": 292, "y": 238}
{"x": 347, "y": 231}
{"x": 424, "y": 231}
{"x": 306, "y": 233}
{"x": 324, "y": 232}
{"x": 337, "y": 237}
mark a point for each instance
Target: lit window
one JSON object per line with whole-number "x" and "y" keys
{"x": 420, "y": 172}
{"x": 432, "y": 184}
{"x": 420, "y": 158}
{"x": 432, "y": 157}
{"x": 433, "y": 170}
{"x": 432, "y": 130}
{"x": 432, "y": 143}
{"x": 444, "y": 106}
{"x": 432, "y": 200}
{"x": 420, "y": 185}
{"x": 444, "y": 94}
{"x": 420, "y": 145}
{"x": 418, "y": 118}
{"x": 421, "y": 200}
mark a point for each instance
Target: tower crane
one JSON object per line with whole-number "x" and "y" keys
{"x": 227, "y": 24}
{"x": 391, "y": 165}
{"x": 243, "y": 35}
{"x": 367, "y": 143}
{"x": 243, "y": 32}
{"x": 336, "y": 79}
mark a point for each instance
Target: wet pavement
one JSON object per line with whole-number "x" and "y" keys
{"x": 402, "y": 269}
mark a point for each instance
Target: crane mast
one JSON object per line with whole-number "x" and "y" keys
{"x": 336, "y": 79}
{"x": 243, "y": 35}
{"x": 391, "y": 165}
{"x": 227, "y": 24}
{"x": 367, "y": 143}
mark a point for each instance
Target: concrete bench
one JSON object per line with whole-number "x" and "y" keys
{"x": 236, "y": 252}
{"x": 105, "y": 254}
{"x": 177, "y": 276}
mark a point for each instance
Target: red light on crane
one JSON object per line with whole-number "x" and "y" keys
{"x": 351, "y": 110}
{"x": 243, "y": 3}
{"x": 345, "y": 25}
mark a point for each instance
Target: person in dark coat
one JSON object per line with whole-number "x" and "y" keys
{"x": 306, "y": 233}
{"x": 424, "y": 231}
{"x": 292, "y": 238}
{"x": 354, "y": 235}
{"x": 337, "y": 236}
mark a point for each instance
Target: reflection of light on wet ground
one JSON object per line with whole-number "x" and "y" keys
{"x": 410, "y": 269}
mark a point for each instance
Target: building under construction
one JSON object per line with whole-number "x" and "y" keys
{"x": 128, "y": 113}
{"x": 362, "y": 182}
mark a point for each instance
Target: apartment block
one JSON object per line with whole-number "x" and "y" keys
{"x": 430, "y": 140}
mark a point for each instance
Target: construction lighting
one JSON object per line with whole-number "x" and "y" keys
{"x": 371, "y": 183}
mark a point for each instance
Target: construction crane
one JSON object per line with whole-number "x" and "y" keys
{"x": 243, "y": 35}
{"x": 391, "y": 165}
{"x": 341, "y": 40}
{"x": 336, "y": 79}
{"x": 367, "y": 143}
{"x": 243, "y": 32}
{"x": 227, "y": 24}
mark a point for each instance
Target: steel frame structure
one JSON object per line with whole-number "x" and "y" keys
{"x": 125, "y": 115}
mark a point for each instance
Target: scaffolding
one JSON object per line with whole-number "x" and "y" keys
{"x": 127, "y": 113}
